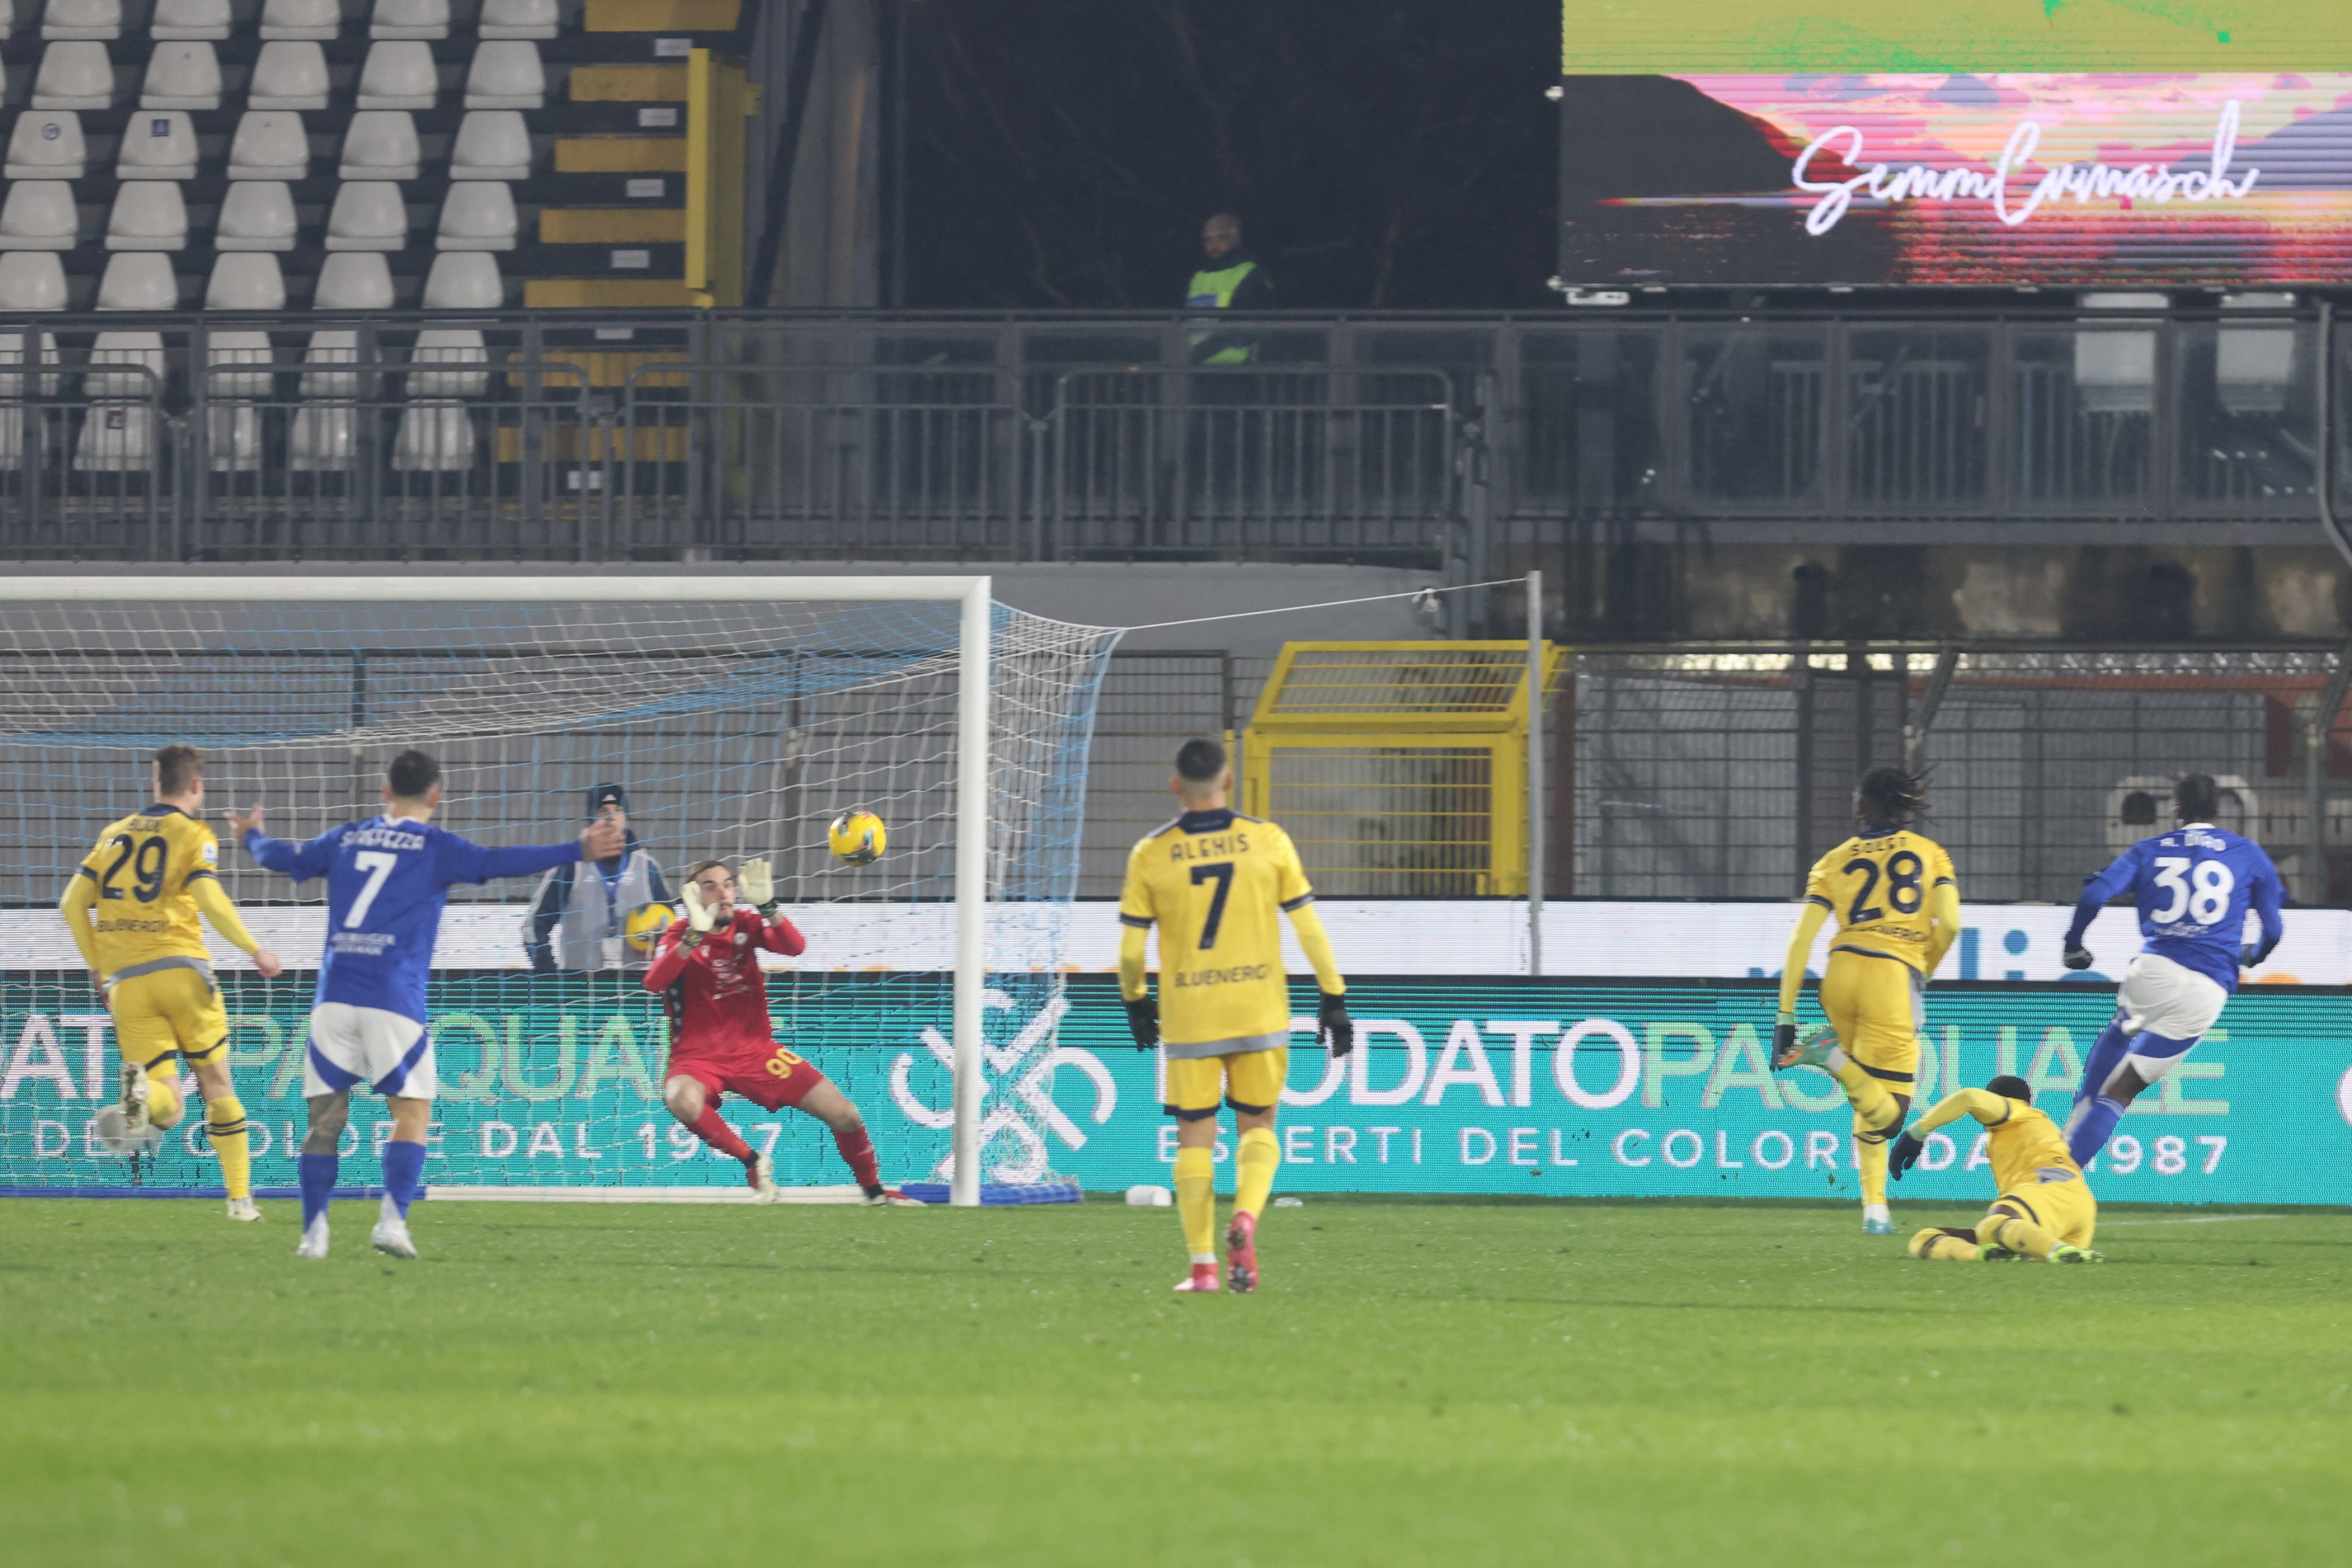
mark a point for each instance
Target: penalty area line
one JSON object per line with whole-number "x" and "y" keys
{"x": 845, "y": 1195}
{"x": 2197, "y": 1219}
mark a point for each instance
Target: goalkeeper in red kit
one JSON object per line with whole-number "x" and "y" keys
{"x": 707, "y": 968}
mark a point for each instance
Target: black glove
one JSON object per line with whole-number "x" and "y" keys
{"x": 1334, "y": 1027}
{"x": 1143, "y": 1022}
{"x": 1784, "y": 1040}
{"x": 1902, "y": 1153}
{"x": 2252, "y": 955}
{"x": 2078, "y": 958}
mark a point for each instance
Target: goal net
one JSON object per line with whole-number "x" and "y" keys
{"x": 740, "y": 715}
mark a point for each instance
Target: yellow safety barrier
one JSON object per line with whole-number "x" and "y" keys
{"x": 718, "y": 98}
{"x": 1398, "y": 768}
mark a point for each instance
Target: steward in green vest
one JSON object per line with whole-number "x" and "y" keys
{"x": 1230, "y": 281}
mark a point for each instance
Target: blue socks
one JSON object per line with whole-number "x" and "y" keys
{"x": 2107, "y": 1053}
{"x": 404, "y": 1173}
{"x": 2088, "y": 1129}
{"x": 2094, "y": 1116}
{"x": 317, "y": 1177}
{"x": 404, "y": 1178}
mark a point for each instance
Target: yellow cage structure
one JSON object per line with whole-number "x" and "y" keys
{"x": 1399, "y": 769}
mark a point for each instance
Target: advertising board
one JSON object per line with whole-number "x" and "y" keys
{"x": 1988, "y": 142}
{"x": 1627, "y": 1089}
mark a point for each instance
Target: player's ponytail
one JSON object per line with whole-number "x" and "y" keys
{"x": 1890, "y": 797}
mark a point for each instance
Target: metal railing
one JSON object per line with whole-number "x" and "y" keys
{"x": 1422, "y": 441}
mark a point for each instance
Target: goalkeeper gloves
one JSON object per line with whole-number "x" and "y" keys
{"x": 2078, "y": 958}
{"x": 758, "y": 886}
{"x": 1334, "y": 1027}
{"x": 702, "y": 920}
{"x": 1784, "y": 1038}
{"x": 1902, "y": 1153}
{"x": 1143, "y": 1022}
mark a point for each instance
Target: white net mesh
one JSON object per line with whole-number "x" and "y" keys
{"x": 736, "y": 728}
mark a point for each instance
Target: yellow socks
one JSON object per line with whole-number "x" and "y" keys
{"x": 1871, "y": 1154}
{"x": 164, "y": 1094}
{"x": 1254, "y": 1163}
{"x": 1874, "y": 1110}
{"x": 1945, "y": 1244}
{"x": 224, "y": 1121}
{"x": 1196, "y": 1201}
{"x": 2017, "y": 1234}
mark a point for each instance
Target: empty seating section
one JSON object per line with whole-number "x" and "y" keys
{"x": 353, "y": 160}
{"x": 157, "y": 146}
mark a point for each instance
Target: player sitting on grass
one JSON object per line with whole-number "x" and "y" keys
{"x": 386, "y": 881}
{"x": 146, "y": 880}
{"x": 1217, "y": 884}
{"x": 2046, "y": 1209}
{"x": 707, "y": 969}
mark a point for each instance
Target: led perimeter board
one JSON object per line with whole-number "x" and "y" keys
{"x": 1974, "y": 142}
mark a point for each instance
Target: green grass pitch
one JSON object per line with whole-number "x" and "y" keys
{"x": 1418, "y": 1383}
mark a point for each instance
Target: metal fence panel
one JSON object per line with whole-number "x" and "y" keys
{"x": 1712, "y": 774}
{"x": 689, "y": 435}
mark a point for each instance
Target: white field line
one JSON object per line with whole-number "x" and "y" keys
{"x": 437, "y": 1193}
{"x": 2200, "y": 1219}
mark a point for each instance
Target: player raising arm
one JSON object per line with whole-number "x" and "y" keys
{"x": 707, "y": 970}
{"x": 2193, "y": 885}
{"x": 1218, "y": 883}
{"x": 147, "y": 878}
{"x": 2046, "y": 1209}
{"x": 1898, "y": 909}
{"x": 386, "y": 881}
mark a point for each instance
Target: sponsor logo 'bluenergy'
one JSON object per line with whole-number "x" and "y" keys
{"x": 1885, "y": 183}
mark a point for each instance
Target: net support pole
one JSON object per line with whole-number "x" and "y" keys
{"x": 970, "y": 887}
{"x": 1535, "y": 772}
{"x": 2324, "y": 710}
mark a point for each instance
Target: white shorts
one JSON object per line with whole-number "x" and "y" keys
{"x": 2167, "y": 999}
{"x": 391, "y": 1052}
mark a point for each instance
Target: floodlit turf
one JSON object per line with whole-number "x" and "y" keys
{"x": 1418, "y": 1384}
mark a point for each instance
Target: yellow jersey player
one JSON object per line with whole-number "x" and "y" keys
{"x": 1898, "y": 909}
{"x": 1217, "y": 884}
{"x": 2046, "y": 1209}
{"x": 132, "y": 908}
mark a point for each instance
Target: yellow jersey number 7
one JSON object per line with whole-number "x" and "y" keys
{"x": 1223, "y": 875}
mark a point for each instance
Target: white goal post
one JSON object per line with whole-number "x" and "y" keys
{"x": 972, "y": 594}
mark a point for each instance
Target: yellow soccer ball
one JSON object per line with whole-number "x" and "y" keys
{"x": 642, "y": 927}
{"x": 858, "y": 837}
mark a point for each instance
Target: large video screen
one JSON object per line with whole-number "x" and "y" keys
{"x": 1971, "y": 143}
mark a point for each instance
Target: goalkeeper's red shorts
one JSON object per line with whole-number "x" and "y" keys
{"x": 782, "y": 1078}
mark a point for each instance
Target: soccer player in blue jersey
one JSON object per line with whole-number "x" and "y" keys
{"x": 2193, "y": 885}
{"x": 386, "y": 881}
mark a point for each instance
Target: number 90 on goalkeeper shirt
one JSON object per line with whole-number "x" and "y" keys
{"x": 858, "y": 837}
